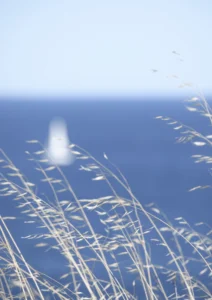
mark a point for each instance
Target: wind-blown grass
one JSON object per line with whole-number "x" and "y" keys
{"x": 136, "y": 253}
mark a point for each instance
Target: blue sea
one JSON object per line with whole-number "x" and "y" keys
{"x": 157, "y": 168}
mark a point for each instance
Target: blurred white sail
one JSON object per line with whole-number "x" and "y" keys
{"x": 58, "y": 143}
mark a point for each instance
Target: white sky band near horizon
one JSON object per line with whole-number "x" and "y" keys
{"x": 105, "y": 48}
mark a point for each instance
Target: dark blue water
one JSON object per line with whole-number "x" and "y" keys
{"x": 157, "y": 168}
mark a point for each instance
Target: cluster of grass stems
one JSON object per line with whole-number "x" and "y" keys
{"x": 139, "y": 252}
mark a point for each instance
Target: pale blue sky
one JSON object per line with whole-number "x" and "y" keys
{"x": 96, "y": 47}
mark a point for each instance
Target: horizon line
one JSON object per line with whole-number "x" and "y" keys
{"x": 141, "y": 97}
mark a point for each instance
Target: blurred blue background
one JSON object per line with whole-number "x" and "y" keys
{"x": 157, "y": 168}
